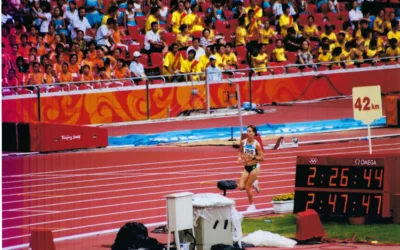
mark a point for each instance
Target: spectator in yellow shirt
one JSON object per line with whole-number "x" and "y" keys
{"x": 325, "y": 57}
{"x": 260, "y": 62}
{"x": 265, "y": 33}
{"x": 252, "y": 25}
{"x": 153, "y": 17}
{"x": 279, "y": 53}
{"x": 258, "y": 12}
{"x": 285, "y": 20}
{"x": 393, "y": 50}
{"x": 182, "y": 39}
{"x": 394, "y": 33}
{"x": 379, "y": 22}
{"x": 193, "y": 20}
{"x": 229, "y": 57}
{"x": 241, "y": 33}
{"x": 311, "y": 30}
{"x": 190, "y": 65}
{"x": 177, "y": 17}
{"x": 329, "y": 34}
{"x": 172, "y": 61}
{"x": 371, "y": 52}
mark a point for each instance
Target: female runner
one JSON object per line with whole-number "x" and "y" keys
{"x": 251, "y": 154}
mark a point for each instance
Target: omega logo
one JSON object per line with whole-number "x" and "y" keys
{"x": 313, "y": 161}
{"x": 362, "y": 162}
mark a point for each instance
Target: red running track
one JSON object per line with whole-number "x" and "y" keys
{"x": 83, "y": 192}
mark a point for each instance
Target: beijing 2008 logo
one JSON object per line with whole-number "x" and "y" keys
{"x": 313, "y": 161}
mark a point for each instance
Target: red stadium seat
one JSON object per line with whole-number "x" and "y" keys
{"x": 54, "y": 89}
{"x": 323, "y": 68}
{"x": 141, "y": 21}
{"x": 278, "y": 71}
{"x": 133, "y": 31}
{"x": 197, "y": 34}
{"x": 292, "y": 57}
{"x": 233, "y": 24}
{"x": 351, "y": 66}
{"x": 24, "y": 92}
{"x": 335, "y": 67}
{"x": 115, "y": 85}
{"x": 144, "y": 59}
{"x": 170, "y": 37}
{"x": 157, "y": 60}
{"x": 221, "y": 25}
{"x": 84, "y": 87}
{"x": 293, "y": 70}
{"x": 8, "y": 93}
{"x": 241, "y": 51}
{"x": 157, "y": 81}
{"x": 307, "y": 70}
{"x": 140, "y": 39}
{"x": 205, "y": 6}
{"x": 266, "y": 73}
{"x": 392, "y": 63}
{"x": 365, "y": 65}
{"x": 183, "y": 53}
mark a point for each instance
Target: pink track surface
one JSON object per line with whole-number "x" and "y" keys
{"x": 89, "y": 191}
{"x": 76, "y": 193}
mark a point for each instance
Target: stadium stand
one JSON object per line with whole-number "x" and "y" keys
{"x": 47, "y": 42}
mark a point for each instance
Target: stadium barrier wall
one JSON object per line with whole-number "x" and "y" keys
{"x": 158, "y": 101}
{"x": 48, "y": 137}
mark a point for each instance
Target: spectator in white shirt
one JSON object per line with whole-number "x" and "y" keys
{"x": 72, "y": 13}
{"x": 213, "y": 72}
{"x": 277, "y": 9}
{"x": 104, "y": 34}
{"x": 81, "y": 23}
{"x": 355, "y": 15}
{"x": 152, "y": 40}
{"x": 136, "y": 68}
{"x": 45, "y": 17}
{"x": 4, "y": 14}
{"x": 196, "y": 47}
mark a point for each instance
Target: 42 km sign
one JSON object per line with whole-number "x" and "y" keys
{"x": 367, "y": 106}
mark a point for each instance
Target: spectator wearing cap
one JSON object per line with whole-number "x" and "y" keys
{"x": 193, "y": 20}
{"x": 104, "y": 34}
{"x": 177, "y": 17}
{"x": 394, "y": 33}
{"x": 136, "y": 68}
{"x": 152, "y": 40}
{"x": 258, "y": 12}
{"x": 190, "y": 65}
{"x": 196, "y": 46}
{"x": 81, "y": 23}
{"x": 213, "y": 72}
{"x": 153, "y": 17}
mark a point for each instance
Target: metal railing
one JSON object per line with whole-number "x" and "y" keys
{"x": 236, "y": 75}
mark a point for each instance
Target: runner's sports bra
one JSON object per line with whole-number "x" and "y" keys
{"x": 250, "y": 149}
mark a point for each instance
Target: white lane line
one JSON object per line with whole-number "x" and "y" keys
{"x": 115, "y": 213}
{"x": 123, "y": 183}
{"x": 156, "y": 174}
{"x": 108, "y": 198}
{"x": 201, "y": 159}
{"x": 30, "y": 210}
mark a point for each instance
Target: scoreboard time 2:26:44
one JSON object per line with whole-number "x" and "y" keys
{"x": 350, "y": 186}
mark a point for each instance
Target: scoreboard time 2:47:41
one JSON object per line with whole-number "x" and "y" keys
{"x": 349, "y": 186}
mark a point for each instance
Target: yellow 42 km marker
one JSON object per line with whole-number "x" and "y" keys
{"x": 367, "y": 106}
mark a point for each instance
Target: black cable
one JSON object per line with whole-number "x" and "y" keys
{"x": 194, "y": 239}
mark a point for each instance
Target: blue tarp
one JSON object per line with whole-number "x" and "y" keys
{"x": 225, "y": 132}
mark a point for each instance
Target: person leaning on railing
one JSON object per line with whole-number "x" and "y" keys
{"x": 213, "y": 72}
{"x": 172, "y": 62}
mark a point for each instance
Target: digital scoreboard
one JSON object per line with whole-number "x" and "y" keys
{"x": 346, "y": 185}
